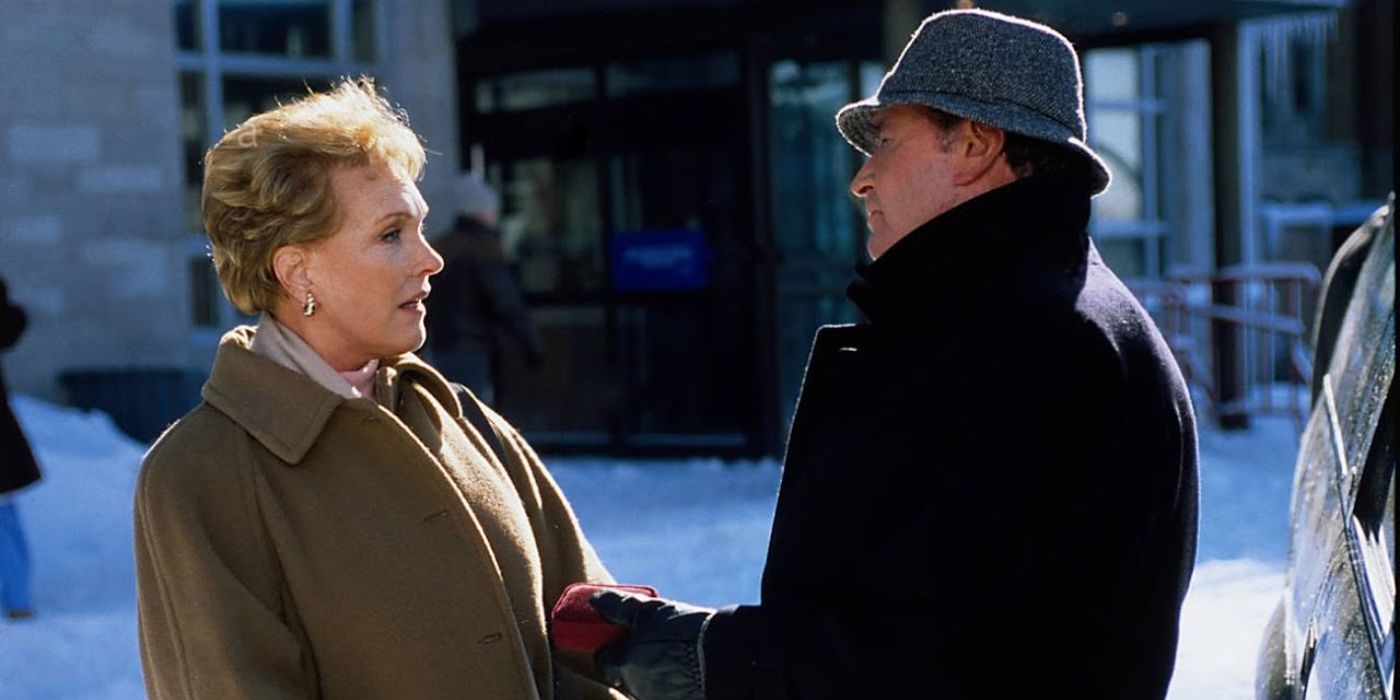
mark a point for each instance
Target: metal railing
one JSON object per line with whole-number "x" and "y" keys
{"x": 1259, "y": 312}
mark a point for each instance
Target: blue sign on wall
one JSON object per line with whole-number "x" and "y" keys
{"x": 660, "y": 261}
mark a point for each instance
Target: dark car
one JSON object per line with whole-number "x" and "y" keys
{"x": 1333, "y": 633}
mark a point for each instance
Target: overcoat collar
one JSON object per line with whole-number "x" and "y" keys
{"x": 287, "y": 411}
{"x": 1035, "y": 223}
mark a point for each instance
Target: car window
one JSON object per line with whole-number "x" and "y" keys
{"x": 1362, "y": 414}
{"x": 1363, "y": 363}
{"x": 1373, "y": 537}
{"x": 1341, "y": 580}
{"x": 1318, "y": 510}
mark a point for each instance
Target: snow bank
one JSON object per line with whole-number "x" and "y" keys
{"x": 78, "y": 519}
{"x": 696, "y": 529}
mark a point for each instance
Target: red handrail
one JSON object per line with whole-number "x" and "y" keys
{"x": 1267, "y": 307}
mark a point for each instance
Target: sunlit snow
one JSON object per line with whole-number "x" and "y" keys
{"x": 696, "y": 529}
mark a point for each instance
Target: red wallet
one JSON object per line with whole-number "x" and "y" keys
{"x": 577, "y": 626}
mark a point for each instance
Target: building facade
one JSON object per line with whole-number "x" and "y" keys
{"x": 108, "y": 107}
{"x": 674, "y": 193}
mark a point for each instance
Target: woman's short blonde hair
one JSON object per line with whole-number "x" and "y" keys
{"x": 267, "y": 183}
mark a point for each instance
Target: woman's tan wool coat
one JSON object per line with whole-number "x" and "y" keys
{"x": 293, "y": 543}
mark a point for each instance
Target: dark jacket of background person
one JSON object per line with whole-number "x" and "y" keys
{"x": 475, "y": 294}
{"x": 990, "y": 489}
{"x": 17, "y": 465}
{"x": 294, "y": 543}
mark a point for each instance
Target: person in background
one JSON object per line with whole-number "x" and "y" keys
{"x": 477, "y": 295}
{"x": 990, "y": 487}
{"x": 335, "y": 520}
{"x": 18, "y": 469}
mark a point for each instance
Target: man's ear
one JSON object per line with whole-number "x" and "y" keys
{"x": 291, "y": 264}
{"x": 981, "y": 148}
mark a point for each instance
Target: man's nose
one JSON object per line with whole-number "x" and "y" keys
{"x": 861, "y": 184}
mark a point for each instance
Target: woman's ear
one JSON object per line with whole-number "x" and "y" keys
{"x": 290, "y": 264}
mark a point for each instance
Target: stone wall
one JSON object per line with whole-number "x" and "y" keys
{"x": 90, "y": 193}
{"x": 92, "y": 234}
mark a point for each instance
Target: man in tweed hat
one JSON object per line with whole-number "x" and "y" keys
{"x": 990, "y": 488}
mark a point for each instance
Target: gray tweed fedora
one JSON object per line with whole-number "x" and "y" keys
{"x": 1000, "y": 70}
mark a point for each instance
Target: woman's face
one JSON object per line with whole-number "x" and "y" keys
{"x": 370, "y": 276}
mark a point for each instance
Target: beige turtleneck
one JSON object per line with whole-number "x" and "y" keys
{"x": 280, "y": 344}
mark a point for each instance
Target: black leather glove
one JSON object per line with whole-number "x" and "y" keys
{"x": 660, "y": 658}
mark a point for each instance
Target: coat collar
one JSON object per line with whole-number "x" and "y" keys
{"x": 286, "y": 411}
{"x": 1031, "y": 226}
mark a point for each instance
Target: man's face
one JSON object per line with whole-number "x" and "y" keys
{"x": 908, "y": 179}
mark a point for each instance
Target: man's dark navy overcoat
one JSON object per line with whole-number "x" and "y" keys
{"x": 990, "y": 488}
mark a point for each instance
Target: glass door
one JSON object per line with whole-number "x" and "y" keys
{"x": 817, "y": 224}
{"x": 551, "y": 235}
{"x": 626, "y": 215}
{"x": 681, "y": 273}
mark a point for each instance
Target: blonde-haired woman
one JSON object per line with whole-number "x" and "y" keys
{"x": 335, "y": 520}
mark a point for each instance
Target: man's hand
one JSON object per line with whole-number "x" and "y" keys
{"x": 660, "y": 657}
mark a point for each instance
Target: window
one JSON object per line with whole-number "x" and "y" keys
{"x": 238, "y": 58}
{"x": 1359, "y": 398}
{"x": 535, "y": 89}
{"x": 1373, "y": 534}
{"x": 673, "y": 75}
{"x": 193, "y": 141}
{"x": 550, "y": 223}
{"x": 186, "y": 25}
{"x": 1123, "y": 109}
{"x": 820, "y": 232}
{"x": 285, "y": 28}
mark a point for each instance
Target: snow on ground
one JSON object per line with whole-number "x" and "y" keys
{"x": 82, "y": 644}
{"x": 696, "y": 529}
{"x": 1221, "y": 627}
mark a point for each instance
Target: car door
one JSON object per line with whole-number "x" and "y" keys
{"x": 1342, "y": 568}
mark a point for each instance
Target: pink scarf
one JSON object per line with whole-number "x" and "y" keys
{"x": 362, "y": 379}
